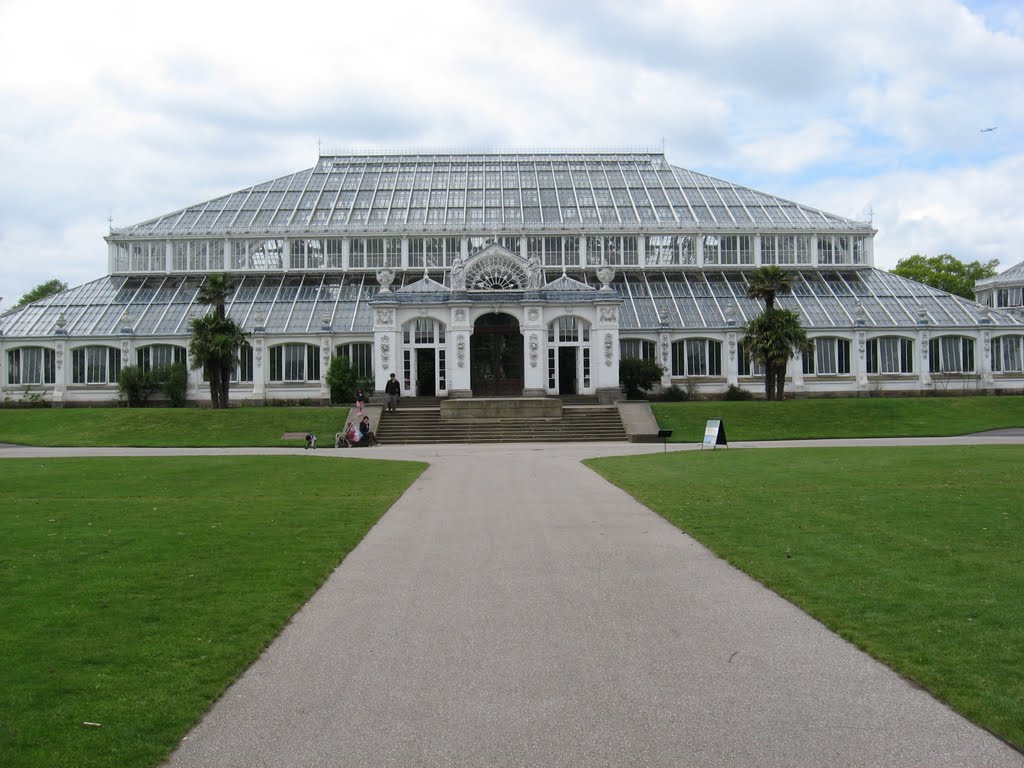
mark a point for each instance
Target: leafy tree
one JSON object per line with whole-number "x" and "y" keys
{"x": 776, "y": 335}
{"x": 772, "y": 339}
{"x": 137, "y": 384}
{"x": 766, "y": 283}
{"x": 41, "y": 291}
{"x": 638, "y": 376}
{"x": 216, "y": 338}
{"x": 214, "y": 347}
{"x": 343, "y": 380}
{"x": 175, "y": 384}
{"x": 946, "y": 272}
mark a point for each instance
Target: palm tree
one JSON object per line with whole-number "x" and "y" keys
{"x": 766, "y": 283}
{"x": 214, "y": 291}
{"x": 772, "y": 339}
{"x": 216, "y": 339}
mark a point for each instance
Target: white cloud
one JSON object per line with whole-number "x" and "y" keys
{"x": 138, "y": 109}
{"x": 973, "y": 213}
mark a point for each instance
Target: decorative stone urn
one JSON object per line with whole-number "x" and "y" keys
{"x": 605, "y": 275}
{"x": 385, "y": 277}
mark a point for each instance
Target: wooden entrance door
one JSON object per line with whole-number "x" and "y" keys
{"x": 496, "y": 357}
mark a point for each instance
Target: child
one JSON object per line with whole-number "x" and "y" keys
{"x": 360, "y": 401}
{"x": 310, "y": 441}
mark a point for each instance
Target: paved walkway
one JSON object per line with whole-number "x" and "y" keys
{"x": 514, "y": 609}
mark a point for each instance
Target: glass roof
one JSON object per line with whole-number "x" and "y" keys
{"x": 652, "y": 300}
{"x": 1012, "y": 276}
{"x": 488, "y": 193}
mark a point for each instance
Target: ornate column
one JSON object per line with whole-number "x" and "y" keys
{"x": 387, "y": 353}
{"x": 605, "y": 341}
{"x": 732, "y": 364}
{"x": 59, "y": 380}
{"x": 259, "y": 370}
{"x": 458, "y": 339}
{"x": 985, "y": 367}
{"x": 924, "y": 339}
{"x": 326, "y": 348}
{"x": 534, "y": 351}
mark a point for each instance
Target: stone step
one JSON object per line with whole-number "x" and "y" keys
{"x": 425, "y": 425}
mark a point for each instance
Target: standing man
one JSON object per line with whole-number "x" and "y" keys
{"x": 393, "y": 389}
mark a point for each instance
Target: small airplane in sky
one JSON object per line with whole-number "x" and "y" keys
{"x": 986, "y": 130}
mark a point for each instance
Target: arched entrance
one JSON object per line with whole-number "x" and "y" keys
{"x": 569, "y": 356}
{"x": 496, "y": 356}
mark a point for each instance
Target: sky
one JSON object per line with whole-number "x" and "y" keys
{"x": 121, "y": 111}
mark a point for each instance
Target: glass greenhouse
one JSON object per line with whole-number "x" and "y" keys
{"x": 505, "y": 274}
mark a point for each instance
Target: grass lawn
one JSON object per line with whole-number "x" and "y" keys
{"x": 750, "y": 420}
{"x": 916, "y": 555}
{"x": 841, "y": 417}
{"x": 168, "y": 427}
{"x": 134, "y": 590}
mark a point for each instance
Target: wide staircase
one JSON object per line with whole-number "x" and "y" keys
{"x": 419, "y": 421}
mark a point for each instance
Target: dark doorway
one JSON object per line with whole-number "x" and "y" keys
{"x": 426, "y": 373}
{"x": 567, "y": 370}
{"x": 496, "y": 357}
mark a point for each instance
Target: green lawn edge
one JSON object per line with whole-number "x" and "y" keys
{"x": 913, "y": 554}
{"x": 838, "y": 418}
{"x": 138, "y": 589}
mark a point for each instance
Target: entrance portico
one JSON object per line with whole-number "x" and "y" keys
{"x": 496, "y": 332}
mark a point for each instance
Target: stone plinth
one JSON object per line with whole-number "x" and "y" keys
{"x": 483, "y": 408}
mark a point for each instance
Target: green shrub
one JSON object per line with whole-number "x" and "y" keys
{"x": 175, "y": 383}
{"x": 675, "y": 394}
{"x": 137, "y": 385}
{"x": 638, "y": 376}
{"x": 737, "y": 393}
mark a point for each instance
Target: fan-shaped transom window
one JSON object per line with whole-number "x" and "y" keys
{"x": 496, "y": 273}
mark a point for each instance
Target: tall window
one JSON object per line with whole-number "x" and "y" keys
{"x": 890, "y": 354}
{"x": 1006, "y": 354}
{"x": 360, "y": 357}
{"x": 831, "y": 357}
{"x": 669, "y": 249}
{"x": 257, "y": 254}
{"x": 555, "y": 251}
{"x": 735, "y": 249}
{"x": 242, "y": 372}
{"x": 159, "y": 356}
{"x": 568, "y": 330}
{"x": 434, "y": 251}
{"x": 295, "y": 363}
{"x": 951, "y": 354}
{"x": 785, "y": 249}
{"x": 614, "y": 250}
{"x": 334, "y": 250}
{"x": 639, "y": 348}
{"x": 697, "y": 357}
{"x": 422, "y": 331}
{"x": 745, "y": 365}
{"x": 374, "y": 252}
{"x": 306, "y": 254}
{"x": 31, "y": 365}
{"x": 95, "y": 365}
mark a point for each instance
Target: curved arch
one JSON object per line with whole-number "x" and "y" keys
{"x": 496, "y": 355}
{"x": 496, "y": 272}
